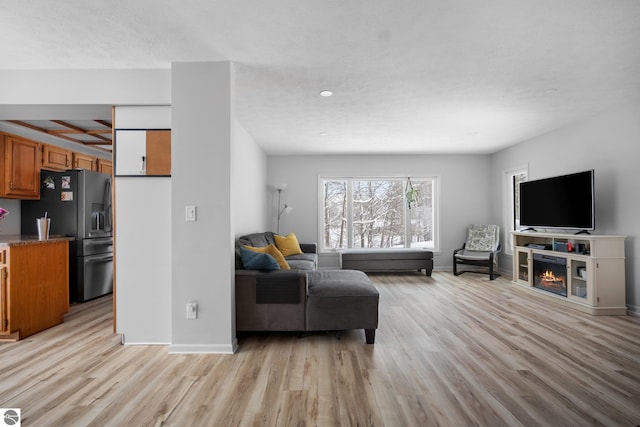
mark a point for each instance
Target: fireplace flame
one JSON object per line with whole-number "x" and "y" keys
{"x": 549, "y": 277}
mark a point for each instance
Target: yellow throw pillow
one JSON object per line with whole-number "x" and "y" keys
{"x": 288, "y": 245}
{"x": 274, "y": 252}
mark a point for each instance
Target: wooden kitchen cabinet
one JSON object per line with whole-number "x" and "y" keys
{"x": 85, "y": 161}
{"x": 34, "y": 285}
{"x": 4, "y": 323}
{"x": 56, "y": 158}
{"x": 105, "y": 166}
{"x": 19, "y": 167}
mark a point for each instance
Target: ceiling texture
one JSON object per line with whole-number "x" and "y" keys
{"x": 408, "y": 77}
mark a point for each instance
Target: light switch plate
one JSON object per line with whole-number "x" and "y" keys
{"x": 190, "y": 214}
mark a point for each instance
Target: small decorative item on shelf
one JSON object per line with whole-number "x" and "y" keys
{"x": 582, "y": 272}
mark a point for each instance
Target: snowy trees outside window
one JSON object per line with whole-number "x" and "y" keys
{"x": 374, "y": 213}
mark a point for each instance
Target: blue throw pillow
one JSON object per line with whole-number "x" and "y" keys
{"x": 258, "y": 260}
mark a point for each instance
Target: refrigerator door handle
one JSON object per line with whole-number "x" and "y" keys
{"x": 107, "y": 205}
{"x": 103, "y": 242}
{"x": 96, "y": 219}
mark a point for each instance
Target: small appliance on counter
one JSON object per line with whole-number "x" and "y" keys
{"x": 78, "y": 204}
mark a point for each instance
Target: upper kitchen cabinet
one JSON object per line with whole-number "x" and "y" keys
{"x": 84, "y": 161}
{"x": 105, "y": 166}
{"x": 60, "y": 159}
{"x": 19, "y": 167}
{"x": 143, "y": 152}
{"x": 56, "y": 158}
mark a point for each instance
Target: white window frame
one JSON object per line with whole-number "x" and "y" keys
{"x": 508, "y": 204}
{"x": 436, "y": 209}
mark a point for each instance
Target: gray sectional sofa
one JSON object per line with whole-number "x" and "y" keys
{"x": 303, "y": 298}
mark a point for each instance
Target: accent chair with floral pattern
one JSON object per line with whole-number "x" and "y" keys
{"x": 480, "y": 249}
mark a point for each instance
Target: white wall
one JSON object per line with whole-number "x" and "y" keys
{"x": 608, "y": 143}
{"x": 203, "y": 125}
{"x": 249, "y": 184}
{"x": 464, "y": 191}
{"x": 107, "y": 87}
{"x": 143, "y": 242}
{"x": 143, "y": 260}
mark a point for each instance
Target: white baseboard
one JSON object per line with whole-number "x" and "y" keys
{"x": 146, "y": 343}
{"x": 633, "y": 310}
{"x": 124, "y": 341}
{"x": 204, "y": 348}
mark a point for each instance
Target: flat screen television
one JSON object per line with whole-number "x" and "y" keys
{"x": 565, "y": 201}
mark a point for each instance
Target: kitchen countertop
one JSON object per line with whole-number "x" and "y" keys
{"x": 17, "y": 240}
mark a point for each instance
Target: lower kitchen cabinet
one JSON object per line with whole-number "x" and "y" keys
{"x": 34, "y": 285}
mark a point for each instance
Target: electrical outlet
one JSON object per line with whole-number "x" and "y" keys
{"x": 192, "y": 310}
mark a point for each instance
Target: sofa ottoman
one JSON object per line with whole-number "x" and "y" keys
{"x": 387, "y": 259}
{"x": 341, "y": 299}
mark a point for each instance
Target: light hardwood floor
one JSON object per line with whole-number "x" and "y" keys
{"x": 449, "y": 351}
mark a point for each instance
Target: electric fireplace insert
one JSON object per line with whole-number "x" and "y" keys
{"x": 550, "y": 274}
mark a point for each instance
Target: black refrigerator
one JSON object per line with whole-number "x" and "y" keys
{"x": 79, "y": 205}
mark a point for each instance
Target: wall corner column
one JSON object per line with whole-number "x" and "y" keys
{"x": 203, "y": 263}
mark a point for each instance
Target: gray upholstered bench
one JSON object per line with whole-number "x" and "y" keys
{"x": 341, "y": 299}
{"x": 388, "y": 259}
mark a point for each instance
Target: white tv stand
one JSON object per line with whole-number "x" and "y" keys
{"x": 595, "y": 279}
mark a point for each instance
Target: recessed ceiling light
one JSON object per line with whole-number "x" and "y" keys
{"x": 326, "y": 93}
{"x": 323, "y": 134}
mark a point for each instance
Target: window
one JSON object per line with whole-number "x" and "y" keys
{"x": 378, "y": 213}
{"x": 512, "y": 179}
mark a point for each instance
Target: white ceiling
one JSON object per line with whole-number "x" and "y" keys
{"x": 423, "y": 76}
